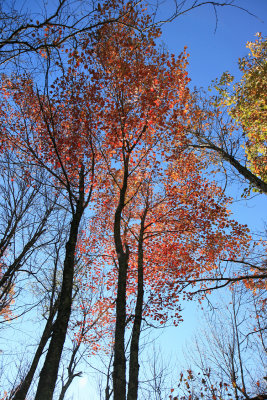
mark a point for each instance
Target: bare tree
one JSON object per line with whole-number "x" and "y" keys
{"x": 157, "y": 371}
{"x": 227, "y": 357}
{"x": 25, "y": 211}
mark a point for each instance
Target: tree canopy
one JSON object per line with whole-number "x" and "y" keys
{"x": 109, "y": 209}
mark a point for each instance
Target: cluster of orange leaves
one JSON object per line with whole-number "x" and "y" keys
{"x": 122, "y": 98}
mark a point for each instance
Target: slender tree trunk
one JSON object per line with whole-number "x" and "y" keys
{"x": 108, "y": 392}
{"x": 49, "y": 372}
{"x": 64, "y": 390}
{"x": 119, "y": 373}
{"x": 7, "y": 277}
{"x": 66, "y": 386}
{"x": 134, "y": 349}
{"x": 22, "y": 391}
{"x": 71, "y": 372}
{"x": 119, "y": 370}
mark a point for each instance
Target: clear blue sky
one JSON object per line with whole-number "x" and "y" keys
{"x": 213, "y": 52}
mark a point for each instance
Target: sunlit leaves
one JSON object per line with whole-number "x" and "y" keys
{"x": 246, "y": 103}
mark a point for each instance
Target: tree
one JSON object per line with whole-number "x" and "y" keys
{"x": 221, "y": 132}
{"x": 36, "y": 129}
{"x": 227, "y": 359}
{"x": 111, "y": 131}
{"x": 47, "y": 31}
{"x": 153, "y": 195}
{"x": 245, "y": 104}
{"x": 25, "y": 211}
{"x": 51, "y": 307}
{"x": 92, "y": 317}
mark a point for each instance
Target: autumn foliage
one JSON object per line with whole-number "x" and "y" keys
{"x": 111, "y": 132}
{"x": 246, "y": 103}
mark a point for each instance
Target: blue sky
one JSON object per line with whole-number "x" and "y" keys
{"x": 213, "y": 52}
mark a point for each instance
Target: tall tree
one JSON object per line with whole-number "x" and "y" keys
{"x": 247, "y": 105}
{"x": 153, "y": 194}
{"x": 52, "y": 136}
{"x": 112, "y": 130}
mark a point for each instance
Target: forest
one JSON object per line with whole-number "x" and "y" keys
{"x": 132, "y": 203}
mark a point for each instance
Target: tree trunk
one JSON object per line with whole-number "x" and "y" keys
{"x": 245, "y": 172}
{"x": 22, "y": 391}
{"x": 49, "y": 372}
{"x": 134, "y": 349}
{"x": 71, "y": 372}
{"x": 252, "y": 178}
{"x": 119, "y": 372}
{"x": 119, "y": 365}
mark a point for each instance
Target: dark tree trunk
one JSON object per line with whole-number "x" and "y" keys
{"x": 22, "y": 391}
{"x": 7, "y": 277}
{"x": 254, "y": 180}
{"x": 71, "y": 372}
{"x": 49, "y": 372}
{"x": 134, "y": 349}
{"x": 119, "y": 370}
{"x": 247, "y": 174}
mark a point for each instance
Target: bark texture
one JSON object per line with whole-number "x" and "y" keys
{"x": 23, "y": 389}
{"x": 119, "y": 365}
{"x": 49, "y": 372}
{"x": 134, "y": 349}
